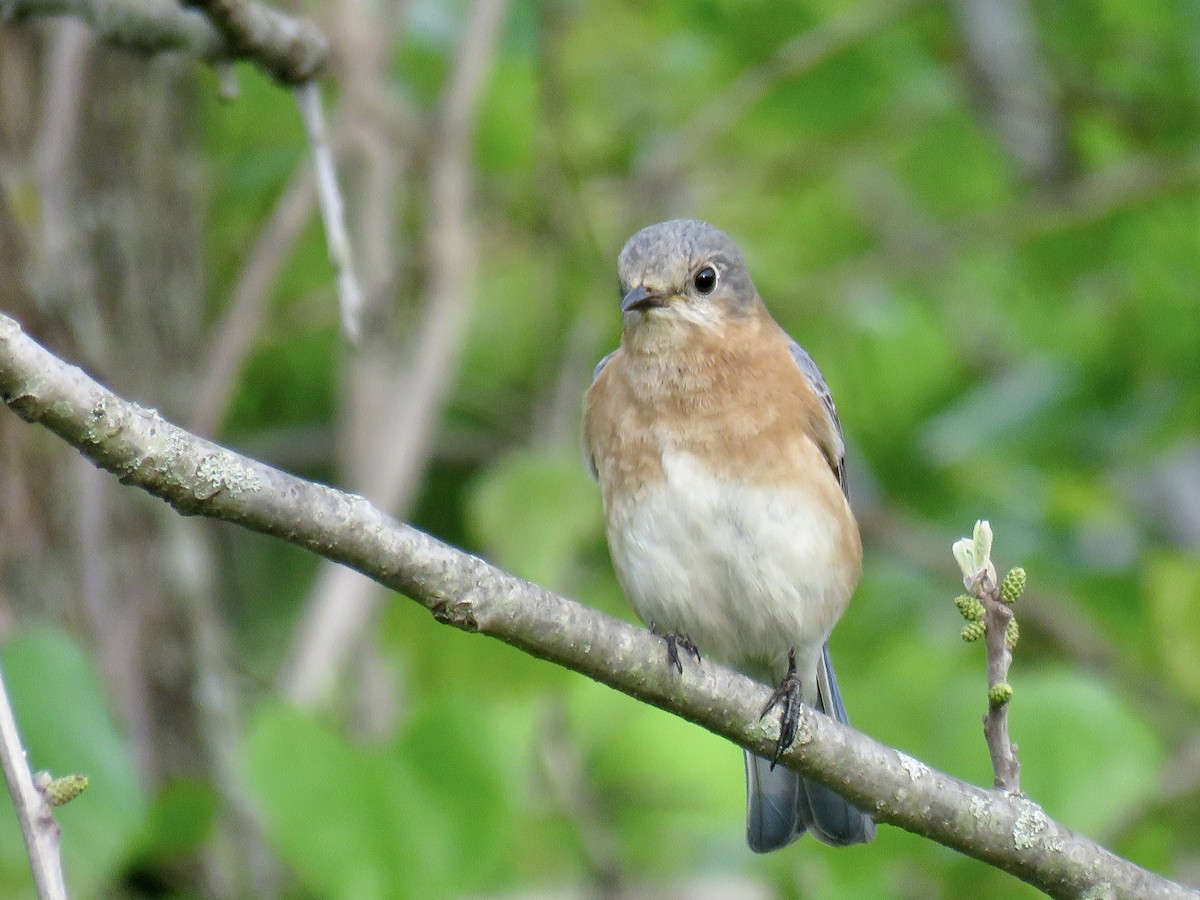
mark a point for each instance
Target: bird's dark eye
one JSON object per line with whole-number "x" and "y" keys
{"x": 705, "y": 280}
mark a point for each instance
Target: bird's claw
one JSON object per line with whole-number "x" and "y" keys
{"x": 675, "y": 643}
{"x": 787, "y": 697}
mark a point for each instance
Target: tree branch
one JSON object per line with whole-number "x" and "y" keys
{"x": 290, "y": 49}
{"x": 198, "y": 477}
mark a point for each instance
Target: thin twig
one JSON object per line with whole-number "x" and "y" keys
{"x": 308, "y": 101}
{"x": 997, "y": 614}
{"x": 990, "y": 611}
{"x": 38, "y": 827}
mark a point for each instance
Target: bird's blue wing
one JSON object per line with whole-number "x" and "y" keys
{"x": 817, "y": 382}
{"x": 588, "y": 460}
{"x": 604, "y": 362}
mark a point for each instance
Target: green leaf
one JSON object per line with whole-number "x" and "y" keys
{"x": 429, "y": 814}
{"x": 351, "y": 822}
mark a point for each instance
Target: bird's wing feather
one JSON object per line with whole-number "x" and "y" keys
{"x": 588, "y": 459}
{"x": 604, "y": 362}
{"x": 816, "y": 381}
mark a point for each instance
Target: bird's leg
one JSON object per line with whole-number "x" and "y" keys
{"x": 675, "y": 643}
{"x": 786, "y": 696}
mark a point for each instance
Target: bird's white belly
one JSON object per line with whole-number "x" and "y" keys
{"x": 746, "y": 572}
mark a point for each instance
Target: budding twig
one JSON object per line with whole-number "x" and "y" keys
{"x": 987, "y": 607}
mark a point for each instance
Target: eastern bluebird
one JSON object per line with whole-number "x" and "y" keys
{"x": 722, "y": 472}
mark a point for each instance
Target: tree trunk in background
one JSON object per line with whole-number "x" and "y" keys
{"x": 107, "y": 145}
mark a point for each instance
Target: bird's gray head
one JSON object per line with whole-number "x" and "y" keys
{"x": 683, "y": 271}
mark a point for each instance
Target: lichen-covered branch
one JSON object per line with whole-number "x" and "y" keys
{"x": 290, "y": 49}
{"x": 198, "y": 477}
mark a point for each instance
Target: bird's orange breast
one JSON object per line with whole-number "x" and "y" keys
{"x": 735, "y": 399}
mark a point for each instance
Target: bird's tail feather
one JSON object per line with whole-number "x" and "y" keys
{"x": 781, "y": 805}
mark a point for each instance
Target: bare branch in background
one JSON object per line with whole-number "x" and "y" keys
{"x": 1003, "y": 51}
{"x": 1088, "y": 199}
{"x": 60, "y": 273}
{"x": 308, "y": 101}
{"x": 290, "y": 49}
{"x": 800, "y": 55}
{"x": 199, "y": 477}
{"x": 192, "y": 572}
{"x": 238, "y": 329}
{"x": 564, "y": 770}
{"x": 341, "y": 604}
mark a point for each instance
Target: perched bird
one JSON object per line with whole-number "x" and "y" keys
{"x": 721, "y": 467}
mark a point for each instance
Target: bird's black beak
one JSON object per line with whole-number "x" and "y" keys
{"x": 640, "y": 297}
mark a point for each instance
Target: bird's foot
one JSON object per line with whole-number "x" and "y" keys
{"x": 787, "y": 697}
{"x": 675, "y": 643}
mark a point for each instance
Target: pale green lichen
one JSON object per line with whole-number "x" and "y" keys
{"x": 1029, "y": 826}
{"x": 61, "y": 409}
{"x": 979, "y": 808}
{"x": 219, "y": 472}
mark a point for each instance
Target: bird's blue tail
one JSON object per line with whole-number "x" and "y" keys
{"x": 781, "y": 805}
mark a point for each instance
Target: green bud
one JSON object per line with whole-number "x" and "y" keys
{"x": 973, "y": 631}
{"x": 971, "y": 609}
{"x": 63, "y": 790}
{"x": 1012, "y": 633}
{"x": 1000, "y": 694}
{"x": 1013, "y": 585}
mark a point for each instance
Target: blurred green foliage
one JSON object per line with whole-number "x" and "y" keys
{"x": 62, "y": 714}
{"x": 999, "y": 349}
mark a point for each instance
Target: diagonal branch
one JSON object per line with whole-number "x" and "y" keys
{"x": 798, "y": 56}
{"x": 198, "y": 477}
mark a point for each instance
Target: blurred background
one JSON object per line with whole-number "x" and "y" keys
{"x": 980, "y": 217}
